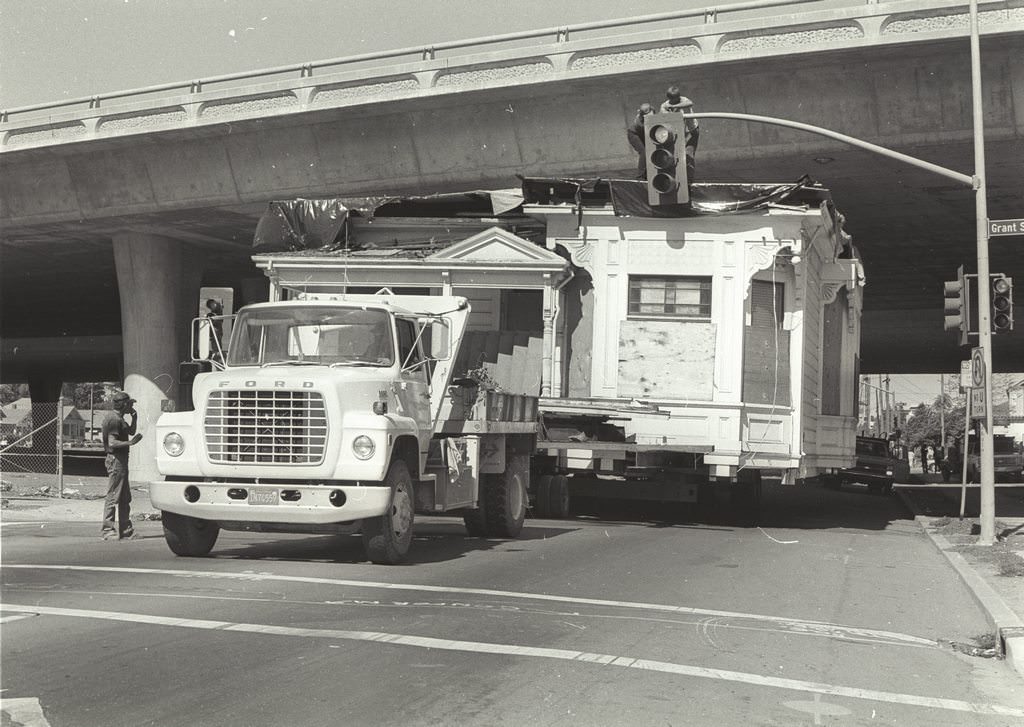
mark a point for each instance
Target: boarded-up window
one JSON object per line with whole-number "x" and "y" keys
{"x": 832, "y": 355}
{"x": 766, "y": 347}
{"x": 653, "y": 296}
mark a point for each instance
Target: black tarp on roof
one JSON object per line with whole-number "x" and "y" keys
{"x": 320, "y": 224}
{"x": 628, "y": 197}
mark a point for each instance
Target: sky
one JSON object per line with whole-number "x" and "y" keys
{"x": 64, "y": 49}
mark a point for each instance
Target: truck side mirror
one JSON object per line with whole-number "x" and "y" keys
{"x": 440, "y": 332}
{"x": 189, "y": 370}
{"x": 208, "y": 341}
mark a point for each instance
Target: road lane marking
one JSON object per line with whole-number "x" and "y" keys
{"x": 818, "y": 628}
{"x": 483, "y": 647}
{"x": 703, "y": 624}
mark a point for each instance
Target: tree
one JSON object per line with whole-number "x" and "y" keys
{"x": 925, "y": 423}
{"x": 12, "y": 392}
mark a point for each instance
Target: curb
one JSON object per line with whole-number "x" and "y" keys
{"x": 1008, "y": 625}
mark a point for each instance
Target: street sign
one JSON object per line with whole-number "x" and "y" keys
{"x": 978, "y": 403}
{"x": 998, "y": 228}
{"x": 977, "y": 383}
{"x": 965, "y": 374}
{"x": 977, "y": 367}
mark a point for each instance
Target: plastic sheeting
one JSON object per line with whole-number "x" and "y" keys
{"x": 629, "y": 197}
{"x": 301, "y": 224}
{"x": 319, "y": 224}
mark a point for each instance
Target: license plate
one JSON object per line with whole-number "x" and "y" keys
{"x": 262, "y": 497}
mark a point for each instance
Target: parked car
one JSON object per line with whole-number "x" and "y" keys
{"x": 880, "y": 463}
{"x": 1006, "y": 460}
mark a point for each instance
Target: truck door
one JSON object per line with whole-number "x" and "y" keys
{"x": 414, "y": 389}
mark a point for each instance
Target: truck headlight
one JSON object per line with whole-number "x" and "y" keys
{"x": 363, "y": 447}
{"x": 889, "y": 472}
{"x": 174, "y": 444}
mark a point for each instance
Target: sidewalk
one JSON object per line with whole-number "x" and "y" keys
{"x": 33, "y": 497}
{"x": 994, "y": 574}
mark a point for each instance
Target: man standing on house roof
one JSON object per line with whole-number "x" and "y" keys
{"x": 118, "y": 435}
{"x": 676, "y": 102}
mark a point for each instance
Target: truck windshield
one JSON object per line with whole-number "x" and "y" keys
{"x": 872, "y": 448}
{"x": 299, "y": 335}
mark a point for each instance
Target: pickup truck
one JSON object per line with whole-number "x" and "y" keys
{"x": 879, "y": 464}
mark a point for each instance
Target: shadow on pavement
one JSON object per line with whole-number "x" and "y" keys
{"x": 433, "y": 542}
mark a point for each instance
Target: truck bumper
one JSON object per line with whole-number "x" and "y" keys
{"x": 226, "y": 502}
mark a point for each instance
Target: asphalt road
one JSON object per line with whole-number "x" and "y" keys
{"x": 835, "y": 610}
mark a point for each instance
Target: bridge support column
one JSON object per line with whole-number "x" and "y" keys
{"x": 158, "y": 281}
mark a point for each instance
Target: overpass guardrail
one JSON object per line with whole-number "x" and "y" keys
{"x": 501, "y": 59}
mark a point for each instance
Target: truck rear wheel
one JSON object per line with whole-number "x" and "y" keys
{"x": 506, "y": 496}
{"x": 189, "y": 536}
{"x": 542, "y": 496}
{"x": 558, "y": 504}
{"x": 387, "y": 538}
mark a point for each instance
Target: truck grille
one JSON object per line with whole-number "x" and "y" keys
{"x": 273, "y": 427}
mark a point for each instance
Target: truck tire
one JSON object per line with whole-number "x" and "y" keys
{"x": 476, "y": 520}
{"x": 558, "y": 504}
{"x": 189, "y": 536}
{"x": 387, "y": 538}
{"x": 542, "y": 496}
{"x": 506, "y": 496}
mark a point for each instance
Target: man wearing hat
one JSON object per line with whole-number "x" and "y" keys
{"x": 676, "y": 102}
{"x": 118, "y": 435}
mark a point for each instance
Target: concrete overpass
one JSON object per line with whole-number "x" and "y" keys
{"x": 115, "y": 208}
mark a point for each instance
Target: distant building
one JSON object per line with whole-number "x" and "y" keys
{"x": 16, "y": 423}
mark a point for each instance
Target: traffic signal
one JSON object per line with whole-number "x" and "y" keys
{"x": 666, "y": 168}
{"x": 1002, "y": 304}
{"x": 957, "y": 313}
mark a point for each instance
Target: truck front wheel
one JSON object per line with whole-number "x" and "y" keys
{"x": 506, "y": 497}
{"x": 189, "y": 536}
{"x": 387, "y": 538}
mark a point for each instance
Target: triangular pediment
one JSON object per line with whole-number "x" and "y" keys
{"x": 498, "y": 245}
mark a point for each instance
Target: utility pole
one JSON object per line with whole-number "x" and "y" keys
{"x": 879, "y": 410}
{"x": 888, "y": 406}
{"x": 867, "y": 406}
{"x": 942, "y": 411}
{"x": 988, "y": 492}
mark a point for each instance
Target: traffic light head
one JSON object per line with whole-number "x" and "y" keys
{"x": 1002, "y": 304}
{"x": 666, "y": 172}
{"x": 955, "y": 305}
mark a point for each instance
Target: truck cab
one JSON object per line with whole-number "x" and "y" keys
{"x": 317, "y": 417}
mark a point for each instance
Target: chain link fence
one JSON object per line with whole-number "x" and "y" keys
{"x": 32, "y": 439}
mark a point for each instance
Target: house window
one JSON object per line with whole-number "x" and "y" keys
{"x": 655, "y": 296}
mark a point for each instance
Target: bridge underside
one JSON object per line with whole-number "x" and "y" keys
{"x": 205, "y": 187}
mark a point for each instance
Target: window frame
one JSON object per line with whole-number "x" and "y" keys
{"x": 705, "y": 288}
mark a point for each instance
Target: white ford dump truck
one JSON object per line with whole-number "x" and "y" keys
{"x": 336, "y": 415}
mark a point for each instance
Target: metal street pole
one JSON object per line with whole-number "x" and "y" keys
{"x": 988, "y": 492}
{"x": 942, "y": 412}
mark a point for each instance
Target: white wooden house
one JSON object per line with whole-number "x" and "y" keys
{"x": 733, "y": 335}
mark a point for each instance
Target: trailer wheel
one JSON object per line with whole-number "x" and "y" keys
{"x": 506, "y": 496}
{"x": 542, "y": 496}
{"x": 387, "y": 538}
{"x": 746, "y": 496}
{"x": 189, "y": 536}
{"x": 476, "y": 520}
{"x": 558, "y": 503}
